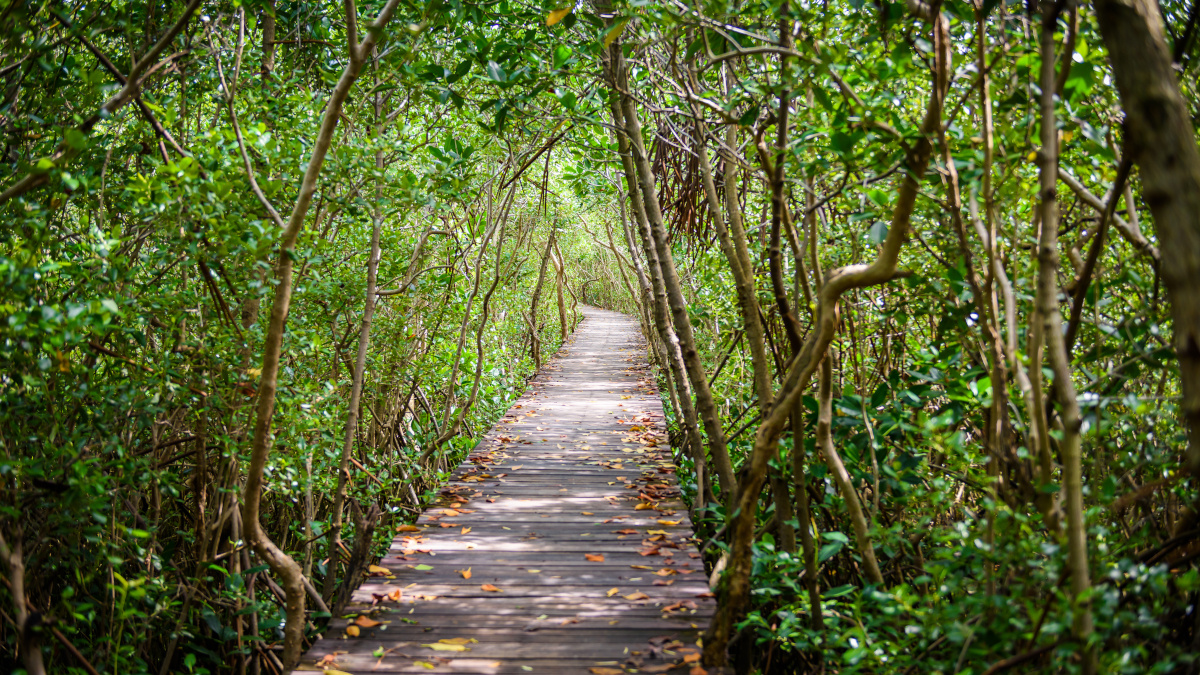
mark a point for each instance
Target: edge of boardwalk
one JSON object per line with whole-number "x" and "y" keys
{"x": 560, "y": 545}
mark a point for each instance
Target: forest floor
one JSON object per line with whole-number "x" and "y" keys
{"x": 560, "y": 545}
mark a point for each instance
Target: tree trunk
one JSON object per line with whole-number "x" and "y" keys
{"x": 1160, "y": 140}
{"x": 705, "y": 405}
{"x": 360, "y": 364}
{"x": 1047, "y": 312}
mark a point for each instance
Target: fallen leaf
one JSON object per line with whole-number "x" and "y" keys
{"x": 594, "y": 557}
{"x": 691, "y": 658}
{"x": 466, "y": 574}
{"x": 395, "y": 595}
{"x": 625, "y": 531}
{"x": 376, "y": 569}
{"x": 458, "y": 641}
{"x": 331, "y": 671}
{"x": 352, "y": 630}
{"x": 424, "y": 664}
{"x": 366, "y": 621}
{"x": 586, "y": 513}
{"x": 612, "y": 591}
{"x": 669, "y": 522}
{"x": 606, "y": 671}
{"x": 439, "y": 647}
{"x": 408, "y": 528}
{"x": 490, "y": 588}
{"x": 465, "y": 530}
{"x": 643, "y": 507}
{"x": 636, "y": 596}
{"x": 697, "y": 670}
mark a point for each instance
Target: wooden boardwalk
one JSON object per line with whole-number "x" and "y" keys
{"x": 559, "y": 546}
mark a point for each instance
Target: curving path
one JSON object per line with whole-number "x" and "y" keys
{"x": 559, "y": 546}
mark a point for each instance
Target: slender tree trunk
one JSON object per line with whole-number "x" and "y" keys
{"x": 1047, "y": 312}
{"x": 670, "y": 342}
{"x": 536, "y": 343}
{"x": 360, "y": 363}
{"x": 858, "y": 519}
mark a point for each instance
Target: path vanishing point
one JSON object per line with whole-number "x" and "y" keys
{"x": 560, "y": 545}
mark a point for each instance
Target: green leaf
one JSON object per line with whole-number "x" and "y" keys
{"x": 495, "y": 72}
{"x": 562, "y": 54}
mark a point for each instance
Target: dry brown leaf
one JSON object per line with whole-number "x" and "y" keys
{"x": 697, "y": 670}
{"x": 594, "y": 557}
{"x": 694, "y": 657}
{"x": 606, "y": 671}
{"x": 466, "y": 574}
{"x": 636, "y": 596}
{"x": 465, "y": 530}
{"x": 352, "y": 630}
{"x": 408, "y": 528}
{"x": 395, "y": 595}
{"x": 366, "y": 621}
{"x": 586, "y": 513}
{"x": 490, "y": 588}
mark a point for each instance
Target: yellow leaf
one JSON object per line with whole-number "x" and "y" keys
{"x": 636, "y": 596}
{"x": 643, "y": 506}
{"x": 612, "y": 591}
{"x": 466, "y": 574}
{"x": 465, "y": 530}
{"x": 439, "y": 647}
{"x": 352, "y": 630}
{"x": 458, "y": 641}
{"x": 490, "y": 588}
{"x": 408, "y": 528}
{"x": 376, "y": 569}
{"x": 331, "y": 671}
{"x": 557, "y": 15}
{"x": 669, "y": 522}
{"x": 586, "y": 513}
{"x": 424, "y": 664}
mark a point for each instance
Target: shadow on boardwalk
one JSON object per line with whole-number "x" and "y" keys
{"x": 559, "y": 546}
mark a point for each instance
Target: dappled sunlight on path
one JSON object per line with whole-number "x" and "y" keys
{"x": 559, "y": 546}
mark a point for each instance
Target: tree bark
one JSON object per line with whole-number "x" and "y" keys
{"x": 1160, "y": 140}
